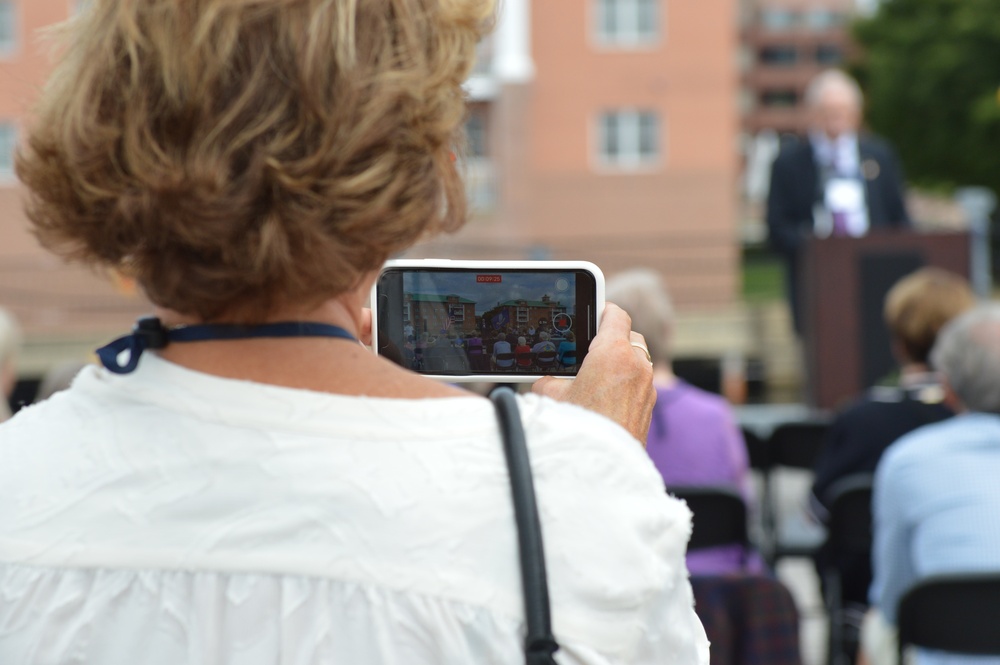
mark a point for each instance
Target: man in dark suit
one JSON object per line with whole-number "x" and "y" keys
{"x": 834, "y": 182}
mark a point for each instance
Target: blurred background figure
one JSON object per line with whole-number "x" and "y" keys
{"x": 835, "y": 182}
{"x": 10, "y": 344}
{"x": 916, "y": 308}
{"x": 693, "y": 438}
{"x": 937, "y": 500}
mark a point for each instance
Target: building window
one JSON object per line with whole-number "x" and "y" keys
{"x": 8, "y": 144}
{"x": 824, "y": 19}
{"x": 628, "y": 22}
{"x": 779, "y": 98}
{"x": 8, "y": 27}
{"x": 780, "y": 56}
{"x": 629, "y": 139}
{"x": 829, "y": 54}
{"x": 456, "y": 313}
{"x": 775, "y": 18}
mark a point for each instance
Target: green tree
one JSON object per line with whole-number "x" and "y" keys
{"x": 931, "y": 74}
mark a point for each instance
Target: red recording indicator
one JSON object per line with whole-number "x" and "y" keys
{"x": 488, "y": 279}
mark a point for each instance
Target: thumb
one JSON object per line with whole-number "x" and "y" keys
{"x": 551, "y": 386}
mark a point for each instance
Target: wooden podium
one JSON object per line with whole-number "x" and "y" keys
{"x": 842, "y": 286}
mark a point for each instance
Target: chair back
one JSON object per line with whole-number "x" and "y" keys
{"x": 792, "y": 446}
{"x": 849, "y": 529}
{"x": 720, "y": 516}
{"x": 952, "y": 613}
{"x": 757, "y": 449}
{"x": 849, "y": 543}
{"x": 507, "y": 360}
{"x": 545, "y": 359}
{"x": 797, "y": 444}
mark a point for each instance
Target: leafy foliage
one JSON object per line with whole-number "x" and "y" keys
{"x": 931, "y": 73}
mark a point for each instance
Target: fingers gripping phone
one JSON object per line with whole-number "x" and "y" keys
{"x": 506, "y": 321}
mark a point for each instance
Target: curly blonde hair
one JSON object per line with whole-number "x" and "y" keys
{"x": 236, "y": 156}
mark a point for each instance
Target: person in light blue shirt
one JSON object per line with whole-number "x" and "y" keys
{"x": 936, "y": 503}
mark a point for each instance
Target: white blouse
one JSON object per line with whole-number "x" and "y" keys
{"x": 170, "y": 517}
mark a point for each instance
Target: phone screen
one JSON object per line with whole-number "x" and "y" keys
{"x": 507, "y": 322}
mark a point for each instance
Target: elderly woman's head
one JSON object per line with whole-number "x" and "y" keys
{"x": 967, "y": 354}
{"x": 919, "y": 305}
{"x": 642, "y": 294}
{"x": 238, "y": 156}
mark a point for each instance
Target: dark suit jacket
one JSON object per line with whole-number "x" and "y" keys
{"x": 795, "y": 189}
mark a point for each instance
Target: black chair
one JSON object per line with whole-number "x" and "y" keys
{"x": 504, "y": 358}
{"x": 848, "y": 543}
{"x": 757, "y": 450}
{"x": 952, "y": 613}
{"x": 798, "y": 444}
{"x": 525, "y": 360}
{"x": 793, "y": 445}
{"x": 545, "y": 360}
{"x": 720, "y": 516}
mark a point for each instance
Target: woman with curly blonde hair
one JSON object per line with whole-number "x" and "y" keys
{"x": 244, "y": 482}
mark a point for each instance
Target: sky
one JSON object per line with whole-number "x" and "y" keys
{"x": 560, "y": 286}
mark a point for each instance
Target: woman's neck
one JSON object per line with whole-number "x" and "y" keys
{"x": 322, "y": 364}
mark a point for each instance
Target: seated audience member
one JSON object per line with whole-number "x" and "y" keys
{"x": 566, "y": 352}
{"x": 543, "y": 344}
{"x": 502, "y": 346}
{"x": 915, "y": 310}
{"x": 477, "y": 355}
{"x": 693, "y": 437}
{"x": 10, "y": 344}
{"x": 241, "y": 482}
{"x": 523, "y": 352}
{"x": 936, "y": 503}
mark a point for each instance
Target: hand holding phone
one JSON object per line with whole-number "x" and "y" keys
{"x": 616, "y": 380}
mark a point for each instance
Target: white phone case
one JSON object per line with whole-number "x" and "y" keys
{"x": 485, "y": 266}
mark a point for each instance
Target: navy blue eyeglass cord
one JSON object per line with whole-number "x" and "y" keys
{"x": 150, "y": 333}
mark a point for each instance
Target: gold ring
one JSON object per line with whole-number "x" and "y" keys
{"x": 644, "y": 350}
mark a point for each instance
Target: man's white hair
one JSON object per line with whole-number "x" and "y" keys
{"x": 828, "y": 80}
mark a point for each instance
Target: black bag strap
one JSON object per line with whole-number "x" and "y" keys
{"x": 539, "y": 643}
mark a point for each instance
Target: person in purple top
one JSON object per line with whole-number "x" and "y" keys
{"x": 693, "y": 438}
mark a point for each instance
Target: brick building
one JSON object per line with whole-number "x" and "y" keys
{"x": 518, "y": 314}
{"x": 606, "y": 130}
{"x": 785, "y": 43}
{"x": 602, "y": 130}
{"x": 434, "y": 313}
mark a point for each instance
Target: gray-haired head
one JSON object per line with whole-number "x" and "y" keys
{"x": 834, "y": 101}
{"x": 967, "y": 354}
{"x": 832, "y": 80}
{"x": 642, "y": 294}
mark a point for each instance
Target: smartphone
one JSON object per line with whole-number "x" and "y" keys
{"x": 502, "y": 321}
